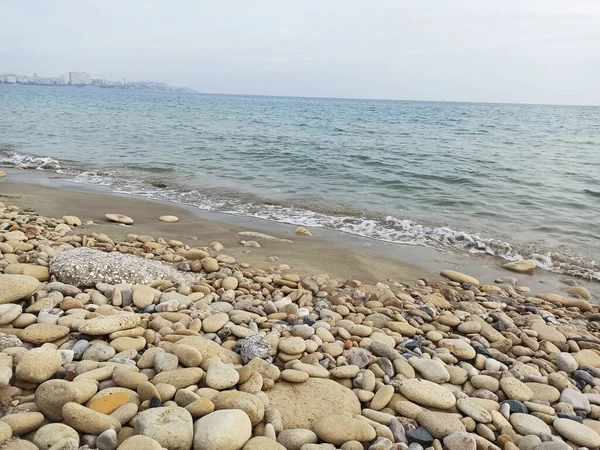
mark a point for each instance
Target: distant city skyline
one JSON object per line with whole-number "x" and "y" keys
{"x": 539, "y": 51}
{"x": 85, "y": 79}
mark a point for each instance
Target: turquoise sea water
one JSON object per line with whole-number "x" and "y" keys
{"x": 516, "y": 181}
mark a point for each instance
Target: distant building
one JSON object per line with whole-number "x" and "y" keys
{"x": 80, "y": 78}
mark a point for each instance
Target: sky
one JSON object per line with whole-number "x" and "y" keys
{"x": 533, "y": 51}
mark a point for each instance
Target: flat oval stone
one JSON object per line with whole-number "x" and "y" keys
{"x": 40, "y": 333}
{"x": 459, "y": 277}
{"x": 339, "y": 429}
{"x": 426, "y": 393}
{"x": 577, "y": 433}
{"x": 119, "y": 218}
{"x": 16, "y": 287}
{"x": 526, "y": 424}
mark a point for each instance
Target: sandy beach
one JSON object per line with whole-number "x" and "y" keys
{"x": 127, "y": 323}
{"x": 338, "y": 254}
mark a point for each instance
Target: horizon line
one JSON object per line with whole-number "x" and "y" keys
{"x": 332, "y": 98}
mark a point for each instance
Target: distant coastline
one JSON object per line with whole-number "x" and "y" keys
{"x": 82, "y": 79}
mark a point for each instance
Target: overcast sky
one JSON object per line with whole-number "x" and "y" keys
{"x": 545, "y": 51}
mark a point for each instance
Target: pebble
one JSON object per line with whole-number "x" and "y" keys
{"x": 139, "y": 338}
{"x": 48, "y": 435}
{"x": 577, "y": 433}
{"x": 427, "y": 393}
{"x": 339, "y": 429}
{"x": 38, "y": 365}
{"x": 119, "y": 218}
{"x": 16, "y": 287}
{"x": 229, "y": 429}
{"x": 221, "y": 376}
{"x": 168, "y": 218}
{"x": 171, "y": 427}
{"x": 526, "y": 424}
{"x": 86, "y": 420}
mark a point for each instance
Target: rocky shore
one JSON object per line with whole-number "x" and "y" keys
{"x": 146, "y": 343}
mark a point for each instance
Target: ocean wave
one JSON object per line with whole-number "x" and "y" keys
{"x": 385, "y": 228}
{"x": 12, "y": 158}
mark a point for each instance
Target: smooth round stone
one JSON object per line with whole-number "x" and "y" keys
{"x": 38, "y": 365}
{"x": 577, "y": 433}
{"x": 52, "y": 395}
{"x": 50, "y": 434}
{"x": 221, "y": 376}
{"x": 86, "y": 420}
{"x": 530, "y": 442}
{"x": 526, "y": 424}
{"x": 515, "y": 389}
{"x": 515, "y": 406}
{"x": 292, "y": 346}
{"x": 469, "y": 327}
{"x": 224, "y": 430}
{"x": 229, "y": 283}
{"x": 99, "y": 352}
{"x": 262, "y": 443}
{"x": 16, "y": 287}
{"x": 215, "y": 322}
{"x": 188, "y": 356}
{"x": 32, "y": 270}
{"x": 19, "y": 444}
{"x": 485, "y": 382}
{"x": 459, "y": 277}
{"x": 439, "y": 424}
{"x": 525, "y": 266}
{"x": 458, "y": 348}
{"x": 566, "y": 362}
{"x": 9, "y": 312}
{"x": 143, "y": 296}
{"x": 119, "y": 218}
{"x": 427, "y": 393}
{"x": 210, "y": 264}
{"x": 460, "y": 441}
{"x": 294, "y": 376}
{"x": 171, "y": 427}
{"x": 179, "y": 378}
{"x": 168, "y": 219}
{"x": 164, "y": 361}
{"x": 476, "y": 412}
{"x": 24, "y": 422}
{"x": 543, "y": 392}
{"x": 295, "y": 438}
{"x": 430, "y": 369}
{"x": 107, "y": 440}
{"x": 382, "y": 397}
{"x": 339, "y": 429}
{"x": 200, "y": 408}
{"x": 139, "y": 442}
{"x": 5, "y": 431}
{"x": 251, "y": 404}
{"x": 126, "y": 343}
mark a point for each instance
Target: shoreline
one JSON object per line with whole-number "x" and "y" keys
{"x": 326, "y": 251}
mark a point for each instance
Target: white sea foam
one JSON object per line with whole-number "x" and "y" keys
{"x": 11, "y": 158}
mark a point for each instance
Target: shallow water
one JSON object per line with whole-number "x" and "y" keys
{"x": 517, "y": 181}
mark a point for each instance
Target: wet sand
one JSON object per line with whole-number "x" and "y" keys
{"x": 341, "y": 255}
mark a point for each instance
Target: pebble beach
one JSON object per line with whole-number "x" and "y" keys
{"x": 114, "y": 338}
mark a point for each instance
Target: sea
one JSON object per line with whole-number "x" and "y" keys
{"x": 511, "y": 180}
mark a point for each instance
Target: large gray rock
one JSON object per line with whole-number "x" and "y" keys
{"x": 85, "y": 267}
